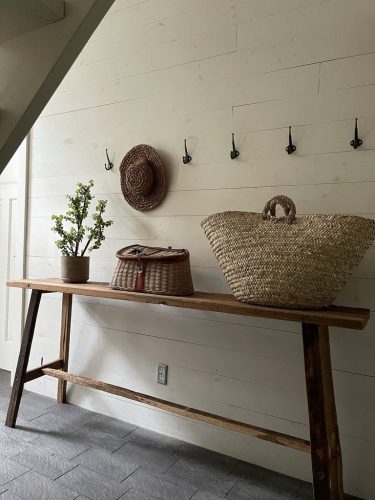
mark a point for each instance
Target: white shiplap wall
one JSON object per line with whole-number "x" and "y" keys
{"x": 155, "y": 72}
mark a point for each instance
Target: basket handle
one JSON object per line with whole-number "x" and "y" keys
{"x": 287, "y": 204}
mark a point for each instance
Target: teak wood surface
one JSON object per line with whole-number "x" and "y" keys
{"x": 324, "y": 444}
{"x": 345, "y": 317}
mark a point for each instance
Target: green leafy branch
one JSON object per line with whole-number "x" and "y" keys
{"x": 72, "y": 240}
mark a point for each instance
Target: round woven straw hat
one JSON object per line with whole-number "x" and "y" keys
{"x": 143, "y": 178}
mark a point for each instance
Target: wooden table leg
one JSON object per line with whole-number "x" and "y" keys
{"x": 66, "y": 317}
{"x": 23, "y": 358}
{"x": 331, "y": 418}
{"x": 324, "y": 435}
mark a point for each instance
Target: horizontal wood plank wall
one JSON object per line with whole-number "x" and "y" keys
{"x": 157, "y": 72}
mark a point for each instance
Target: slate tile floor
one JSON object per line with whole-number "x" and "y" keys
{"x": 62, "y": 452}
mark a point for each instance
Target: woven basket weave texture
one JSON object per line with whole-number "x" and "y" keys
{"x": 166, "y": 271}
{"x": 294, "y": 262}
{"x": 143, "y": 178}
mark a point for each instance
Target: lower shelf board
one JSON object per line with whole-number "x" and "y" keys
{"x": 184, "y": 411}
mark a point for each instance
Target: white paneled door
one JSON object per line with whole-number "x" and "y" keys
{"x": 12, "y": 216}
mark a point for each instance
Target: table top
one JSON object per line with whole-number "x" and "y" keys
{"x": 345, "y": 317}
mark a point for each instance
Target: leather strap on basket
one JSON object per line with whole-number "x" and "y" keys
{"x": 140, "y": 279}
{"x": 285, "y": 202}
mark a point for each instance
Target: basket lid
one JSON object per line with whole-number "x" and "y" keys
{"x": 137, "y": 252}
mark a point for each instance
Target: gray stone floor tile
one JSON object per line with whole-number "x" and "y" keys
{"x": 202, "y": 456}
{"x": 154, "y": 440}
{"x": 70, "y": 412}
{"x": 200, "y": 476}
{"x": 306, "y": 493}
{"x": 43, "y": 461}
{"x": 8, "y": 495}
{"x": 92, "y": 437}
{"x": 93, "y": 485}
{"x": 50, "y": 422}
{"x": 153, "y": 460}
{"x": 258, "y": 491}
{"x": 110, "y": 425}
{"x": 4, "y": 402}
{"x": 10, "y": 470}
{"x": 37, "y": 399}
{"x": 5, "y": 389}
{"x": 22, "y": 432}
{"x": 115, "y": 467}
{"x": 65, "y": 418}
{"x": 244, "y": 470}
{"x": 206, "y": 495}
{"x": 159, "y": 486}
{"x": 32, "y": 405}
{"x": 9, "y": 447}
{"x": 262, "y": 479}
{"x": 34, "y": 486}
{"x": 61, "y": 444}
{"x": 136, "y": 495}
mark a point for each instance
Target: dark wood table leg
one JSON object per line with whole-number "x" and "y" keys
{"x": 331, "y": 418}
{"x": 324, "y": 435}
{"x": 23, "y": 359}
{"x": 66, "y": 317}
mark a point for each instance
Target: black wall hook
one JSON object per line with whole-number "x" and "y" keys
{"x": 234, "y": 153}
{"x": 290, "y": 147}
{"x": 187, "y": 158}
{"x": 356, "y": 142}
{"x": 108, "y": 166}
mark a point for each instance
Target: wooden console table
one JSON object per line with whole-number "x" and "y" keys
{"x": 324, "y": 444}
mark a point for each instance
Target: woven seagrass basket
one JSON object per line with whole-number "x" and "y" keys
{"x": 293, "y": 262}
{"x": 164, "y": 271}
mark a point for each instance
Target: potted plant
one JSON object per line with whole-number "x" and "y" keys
{"x": 78, "y": 239}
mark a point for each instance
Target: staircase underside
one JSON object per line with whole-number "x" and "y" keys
{"x": 33, "y": 64}
{"x": 21, "y": 16}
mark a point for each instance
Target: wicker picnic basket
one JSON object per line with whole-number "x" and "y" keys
{"x": 164, "y": 271}
{"x": 294, "y": 262}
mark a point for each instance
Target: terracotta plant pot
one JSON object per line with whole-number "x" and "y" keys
{"x": 75, "y": 269}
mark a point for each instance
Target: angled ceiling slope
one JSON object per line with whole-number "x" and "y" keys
{"x": 33, "y": 64}
{"x": 21, "y": 16}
